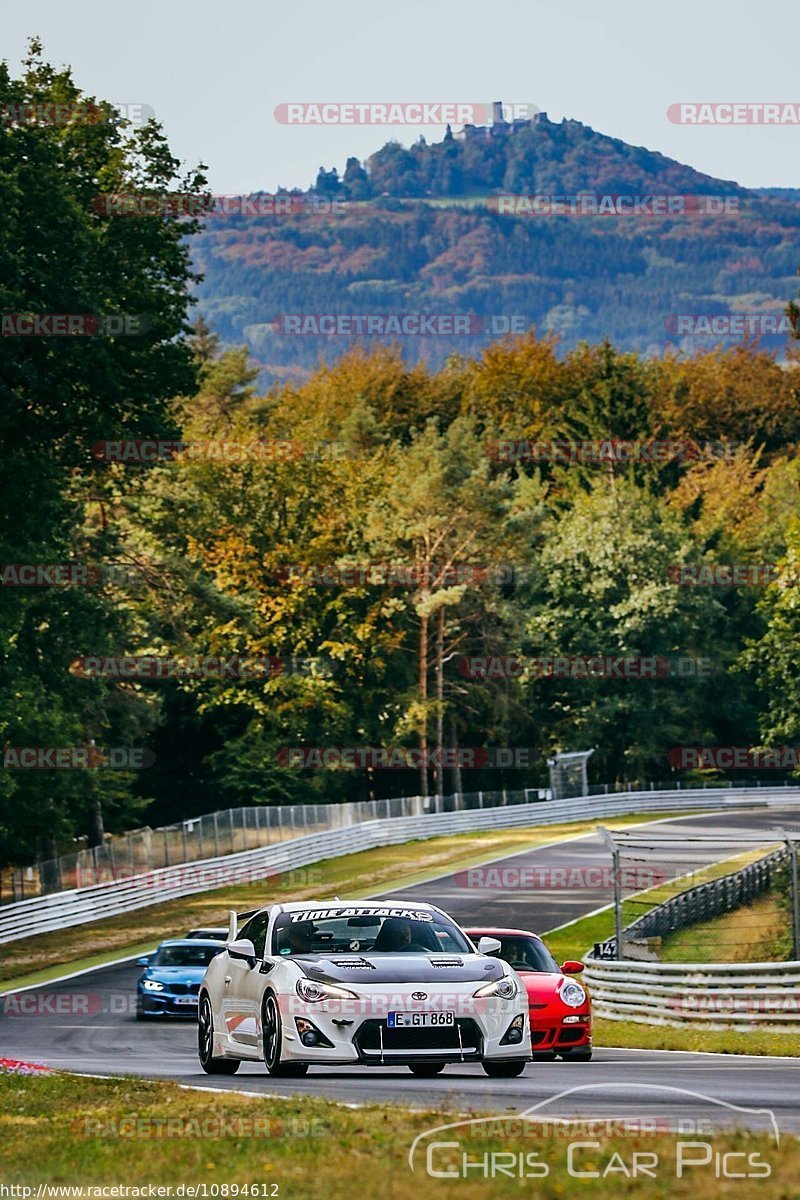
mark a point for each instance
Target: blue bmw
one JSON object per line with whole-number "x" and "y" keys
{"x": 170, "y": 982}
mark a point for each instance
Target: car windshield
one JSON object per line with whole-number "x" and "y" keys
{"x": 184, "y": 956}
{"x": 525, "y": 954}
{"x": 359, "y": 930}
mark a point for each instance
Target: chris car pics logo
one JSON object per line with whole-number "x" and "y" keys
{"x": 540, "y": 1143}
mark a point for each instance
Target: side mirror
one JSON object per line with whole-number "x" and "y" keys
{"x": 571, "y": 967}
{"x": 244, "y": 948}
{"x": 489, "y": 945}
{"x": 144, "y": 961}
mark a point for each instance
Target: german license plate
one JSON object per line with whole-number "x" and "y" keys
{"x": 186, "y": 999}
{"x": 408, "y": 1020}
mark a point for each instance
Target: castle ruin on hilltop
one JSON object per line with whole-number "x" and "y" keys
{"x": 499, "y": 126}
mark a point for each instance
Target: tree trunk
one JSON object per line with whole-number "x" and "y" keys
{"x": 423, "y": 697}
{"x": 457, "y": 783}
{"x": 97, "y": 833}
{"x": 440, "y": 703}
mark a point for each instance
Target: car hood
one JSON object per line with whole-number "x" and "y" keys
{"x": 402, "y": 968}
{"x": 175, "y": 974}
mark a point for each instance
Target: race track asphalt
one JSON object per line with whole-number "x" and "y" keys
{"x": 87, "y": 1023}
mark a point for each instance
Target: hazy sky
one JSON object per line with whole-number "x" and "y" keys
{"x": 214, "y": 72}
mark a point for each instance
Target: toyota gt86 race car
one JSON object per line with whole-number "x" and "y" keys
{"x": 373, "y": 982}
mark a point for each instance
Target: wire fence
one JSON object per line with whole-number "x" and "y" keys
{"x": 232, "y": 830}
{"x": 750, "y": 914}
{"x": 222, "y": 833}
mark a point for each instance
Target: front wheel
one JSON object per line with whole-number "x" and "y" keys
{"x": 271, "y": 1040}
{"x": 505, "y": 1070}
{"x": 426, "y": 1070}
{"x": 205, "y": 1044}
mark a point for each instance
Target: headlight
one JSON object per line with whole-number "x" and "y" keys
{"x": 152, "y": 985}
{"x": 573, "y": 994}
{"x": 506, "y": 988}
{"x": 312, "y": 992}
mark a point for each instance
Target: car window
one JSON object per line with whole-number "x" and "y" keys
{"x": 350, "y": 931}
{"x": 256, "y": 931}
{"x": 185, "y": 955}
{"x": 526, "y": 953}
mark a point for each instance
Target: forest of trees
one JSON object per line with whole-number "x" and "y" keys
{"x": 370, "y": 461}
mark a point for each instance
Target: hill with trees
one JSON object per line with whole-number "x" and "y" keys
{"x": 418, "y": 231}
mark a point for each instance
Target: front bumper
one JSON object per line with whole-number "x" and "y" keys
{"x": 359, "y": 1033}
{"x": 552, "y": 1033}
{"x": 167, "y": 1004}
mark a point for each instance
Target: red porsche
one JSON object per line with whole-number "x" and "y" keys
{"x": 560, "y": 1008}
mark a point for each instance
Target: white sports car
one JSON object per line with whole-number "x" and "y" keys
{"x": 373, "y": 982}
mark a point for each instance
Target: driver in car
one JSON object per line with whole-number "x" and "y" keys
{"x": 397, "y": 936}
{"x": 297, "y": 939}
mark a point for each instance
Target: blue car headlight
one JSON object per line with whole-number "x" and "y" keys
{"x": 152, "y": 985}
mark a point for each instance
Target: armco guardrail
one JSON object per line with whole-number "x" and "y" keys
{"x": 79, "y": 906}
{"x": 230, "y": 830}
{"x": 714, "y": 995}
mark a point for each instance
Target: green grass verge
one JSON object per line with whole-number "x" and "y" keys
{"x": 36, "y": 959}
{"x": 756, "y": 932}
{"x": 64, "y": 1130}
{"x": 753, "y": 1040}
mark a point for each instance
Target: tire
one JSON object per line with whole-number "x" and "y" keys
{"x": 426, "y": 1070}
{"x": 205, "y": 1043}
{"x": 271, "y": 1042}
{"x": 505, "y": 1070}
{"x": 578, "y": 1056}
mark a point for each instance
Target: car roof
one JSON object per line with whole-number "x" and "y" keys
{"x": 191, "y": 942}
{"x": 493, "y": 931}
{"x": 338, "y": 902}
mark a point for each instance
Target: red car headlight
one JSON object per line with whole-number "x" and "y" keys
{"x": 572, "y": 993}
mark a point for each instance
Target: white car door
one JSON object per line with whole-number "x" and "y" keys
{"x": 246, "y": 985}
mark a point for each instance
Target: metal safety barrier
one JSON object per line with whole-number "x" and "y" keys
{"x": 126, "y": 891}
{"x": 712, "y": 995}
